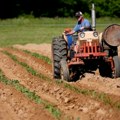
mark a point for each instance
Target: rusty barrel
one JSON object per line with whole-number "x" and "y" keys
{"x": 111, "y": 35}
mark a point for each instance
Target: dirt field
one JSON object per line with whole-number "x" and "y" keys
{"x": 90, "y": 98}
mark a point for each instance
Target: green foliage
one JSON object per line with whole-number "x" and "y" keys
{"x": 60, "y": 8}
{"x": 106, "y": 7}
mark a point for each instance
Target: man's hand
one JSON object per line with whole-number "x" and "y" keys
{"x": 81, "y": 28}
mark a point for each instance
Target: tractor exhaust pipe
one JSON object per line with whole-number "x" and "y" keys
{"x": 93, "y": 17}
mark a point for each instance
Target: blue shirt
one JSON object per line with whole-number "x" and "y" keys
{"x": 84, "y": 23}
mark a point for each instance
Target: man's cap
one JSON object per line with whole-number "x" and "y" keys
{"x": 78, "y": 14}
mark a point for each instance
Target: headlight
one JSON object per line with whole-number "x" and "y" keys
{"x": 95, "y": 34}
{"x": 82, "y": 34}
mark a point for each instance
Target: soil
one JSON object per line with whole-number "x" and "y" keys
{"x": 73, "y": 105}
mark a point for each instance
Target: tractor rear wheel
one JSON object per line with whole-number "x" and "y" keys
{"x": 63, "y": 48}
{"x": 116, "y": 72}
{"x": 56, "y": 57}
{"x": 105, "y": 69}
{"x": 64, "y": 70}
{"x": 59, "y": 51}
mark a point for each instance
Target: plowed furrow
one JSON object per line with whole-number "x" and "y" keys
{"x": 73, "y": 104}
{"x": 98, "y": 83}
{"x": 15, "y": 106}
{"x": 92, "y": 82}
{"x": 37, "y": 64}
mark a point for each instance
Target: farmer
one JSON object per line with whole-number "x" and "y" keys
{"x": 81, "y": 26}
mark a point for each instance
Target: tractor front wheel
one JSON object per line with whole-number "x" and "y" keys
{"x": 64, "y": 70}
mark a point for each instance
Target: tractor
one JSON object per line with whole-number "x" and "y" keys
{"x": 88, "y": 52}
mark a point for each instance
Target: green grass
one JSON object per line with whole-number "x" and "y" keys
{"x": 40, "y": 30}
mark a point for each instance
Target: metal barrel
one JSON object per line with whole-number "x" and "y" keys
{"x": 111, "y": 35}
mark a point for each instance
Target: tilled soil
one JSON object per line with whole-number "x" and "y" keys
{"x": 15, "y": 106}
{"x": 72, "y": 104}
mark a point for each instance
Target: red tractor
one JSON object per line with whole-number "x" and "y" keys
{"x": 90, "y": 51}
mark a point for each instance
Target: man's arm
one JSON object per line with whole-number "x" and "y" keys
{"x": 71, "y": 32}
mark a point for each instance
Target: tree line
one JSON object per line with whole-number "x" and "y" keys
{"x": 58, "y": 8}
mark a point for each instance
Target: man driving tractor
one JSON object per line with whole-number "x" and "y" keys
{"x": 81, "y": 25}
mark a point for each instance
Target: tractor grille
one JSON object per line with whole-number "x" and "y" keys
{"x": 89, "y": 49}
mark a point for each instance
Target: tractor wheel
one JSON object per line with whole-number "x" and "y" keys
{"x": 64, "y": 70}
{"x": 63, "y": 48}
{"x": 59, "y": 51}
{"x": 56, "y": 57}
{"x": 116, "y": 72}
{"x": 105, "y": 69}
{"x": 63, "y": 62}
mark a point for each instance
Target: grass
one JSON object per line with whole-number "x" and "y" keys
{"x": 40, "y": 30}
{"x": 92, "y": 93}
